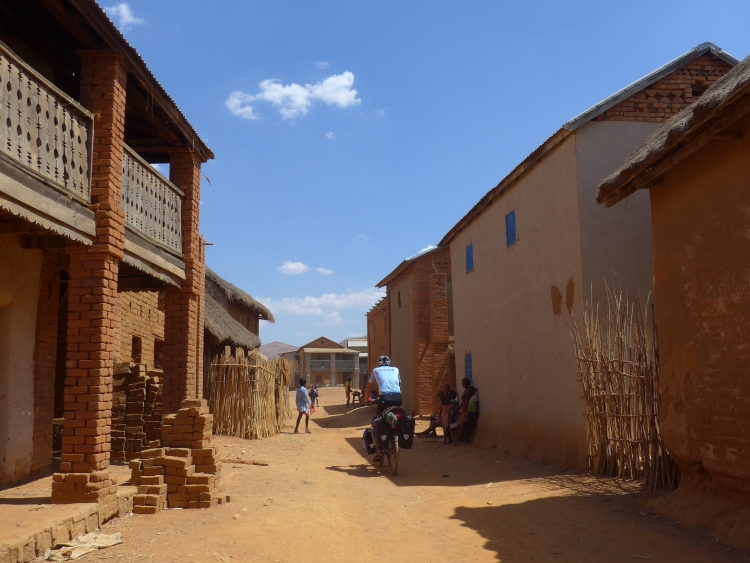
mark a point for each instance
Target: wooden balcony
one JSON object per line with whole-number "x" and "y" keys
{"x": 45, "y": 157}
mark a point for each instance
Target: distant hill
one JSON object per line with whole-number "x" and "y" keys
{"x": 274, "y": 349}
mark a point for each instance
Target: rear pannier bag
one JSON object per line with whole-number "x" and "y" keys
{"x": 368, "y": 443}
{"x": 380, "y": 432}
{"x": 406, "y": 433}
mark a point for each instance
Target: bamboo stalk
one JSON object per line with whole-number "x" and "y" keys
{"x": 618, "y": 365}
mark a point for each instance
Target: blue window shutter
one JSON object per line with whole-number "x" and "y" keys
{"x": 469, "y": 258}
{"x": 468, "y": 370}
{"x": 510, "y": 228}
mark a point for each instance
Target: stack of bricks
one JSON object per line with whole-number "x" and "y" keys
{"x": 136, "y": 411}
{"x": 185, "y": 472}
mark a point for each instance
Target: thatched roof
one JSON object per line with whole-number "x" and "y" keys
{"x": 234, "y": 295}
{"x": 715, "y": 110}
{"x": 225, "y": 329}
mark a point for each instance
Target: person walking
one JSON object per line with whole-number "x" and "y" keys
{"x": 348, "y": 390}
{"x": 303, "y": 406}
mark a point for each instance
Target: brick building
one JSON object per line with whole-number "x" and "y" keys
{"x": 378, "y": 333}
{"x": 534, "y": 245}
{"x": 419, "y": 321}
{"x": 83, "y": 216}
{"x": 324, "y": 362}
{"x": 696, "y": 168}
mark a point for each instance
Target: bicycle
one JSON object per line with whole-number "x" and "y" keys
{"x": 391, "y": 453}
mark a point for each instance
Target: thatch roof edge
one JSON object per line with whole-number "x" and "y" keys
{"x": 235, "y": 295}
{"x": 219, "y": 323}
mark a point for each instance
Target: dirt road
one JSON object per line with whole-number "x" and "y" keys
{"x": 320, "y": 499}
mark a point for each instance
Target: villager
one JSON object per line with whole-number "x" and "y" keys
{"x": 314, "y": 400}
{"x": 472, "y": 413}
{"x": 348, "y": 390}
{"x": 448, "y": 406}
{"x": 435, "y": 421}
{"x": 303, "y": 406}
{"x": 463, "y": 417}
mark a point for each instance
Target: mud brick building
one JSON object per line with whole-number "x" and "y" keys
{"x": 378, "y": 333}
{"x": 420, "y": 327}
{"x": 323, "y": 362}
{"x": 529, "y": 250}
{"x": 696, "y": 168}
{"x": 84, "y": 217}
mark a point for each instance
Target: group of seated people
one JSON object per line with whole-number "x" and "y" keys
{"x": 458, "y": 420}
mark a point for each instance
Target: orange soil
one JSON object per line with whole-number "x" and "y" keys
{"x": 320, "y": 499}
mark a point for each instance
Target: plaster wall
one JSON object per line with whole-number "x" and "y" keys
{"x": 19, "y": 292}
{"x": 378, "y": 336}
{"x": 616, "y": 243}
{"x": 504, "y": 315}
{"x": 701, "y": 226}
{"x": 402, "y": 336}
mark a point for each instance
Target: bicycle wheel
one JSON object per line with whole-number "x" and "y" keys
{"x": 393, "y": 456}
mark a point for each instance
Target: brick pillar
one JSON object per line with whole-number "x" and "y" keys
{"x": 45, "y": 359}
{"x": 439, "y": 341}
{"x": 92, "y": 299}
{"x": 183, "y": 322}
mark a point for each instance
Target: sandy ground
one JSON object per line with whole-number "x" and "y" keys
{"x": 320, "y": 499}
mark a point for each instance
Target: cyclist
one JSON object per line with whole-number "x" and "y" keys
{"x": 388, "y": 380}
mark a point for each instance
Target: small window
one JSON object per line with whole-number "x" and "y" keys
{"x": 399, "y": 299}
{"x": 158, "y": 353}
{"x": 137, "y": 350}
{"x": 467, "y": 362}
{"x": 510, "y": 228}
{"x": 469, "y": 258}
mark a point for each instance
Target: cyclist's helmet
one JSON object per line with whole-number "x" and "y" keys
{"x": 384, "y": 361}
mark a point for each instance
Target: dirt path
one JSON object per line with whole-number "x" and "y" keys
{"x": 320, "y": 499}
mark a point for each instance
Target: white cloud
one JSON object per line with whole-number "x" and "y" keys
{"x": 333, "y": 319}
{"x": 123, "y": 14}
{"x": 363, "y": 236}
{"x": 321, "y": 65}
{"x": 239, "y": 104}
{"x": 330, "y": 136}
{"x": 293, "y": 268}
{"x": 324, "y": 271}
{"x": 294, "y": 100}
{"x": 325, "y": 304}
{"x": 380, "y": 112}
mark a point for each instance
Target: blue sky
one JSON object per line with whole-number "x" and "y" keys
{"x": 317, "y": 191}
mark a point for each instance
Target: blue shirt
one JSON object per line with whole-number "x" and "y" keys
{"x": 388, "y": 379}
{"x": 303, "y": 399}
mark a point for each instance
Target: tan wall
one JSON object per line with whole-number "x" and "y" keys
{"x": 19, "y": 293}
{"x": 616, "y": 242}
{"x": 701, "y": 226}
{"x": 523, "y": 360}
{"x": 402, "y": 336}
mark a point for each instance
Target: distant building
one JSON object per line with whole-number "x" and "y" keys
{"x": 526, "y": 253}
{"x": 323, "y": 362}
{"x": 358, "y": 343}
{"x": 696, "y": 169}
{"x": 421, "y": 326}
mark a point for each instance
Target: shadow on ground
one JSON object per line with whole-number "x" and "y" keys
{"x": 430, "y": 464}
{"x": 341, "y": 416}
{"x": 24, "y": 500}
{"x": 584, "y": 529}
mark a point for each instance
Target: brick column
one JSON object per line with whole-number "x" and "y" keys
{"x": 183, "y": 322}
{"x": 92, "y": 299}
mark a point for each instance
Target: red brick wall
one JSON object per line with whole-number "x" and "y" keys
{"x": 431, "y": 276}
{"x": 378, "y": 334}
{"x": 659, "y": 101}
{"x": 45, "y": 355}
{"x": 140, "y": 315}
{"x": 183, "y": 333}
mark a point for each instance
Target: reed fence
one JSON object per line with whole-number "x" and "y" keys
{"x": 248, "y": 395}
{"x": 618, "y": 362}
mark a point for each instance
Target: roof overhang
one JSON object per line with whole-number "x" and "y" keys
{"x": 403, "y": 266}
